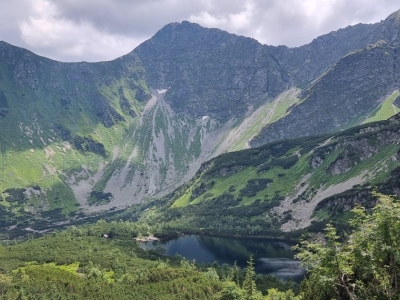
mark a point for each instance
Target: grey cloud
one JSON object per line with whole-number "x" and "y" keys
{"x": 105, "y": 29}
{"x": 286, "y": 23}
{"x": 11, "y": 13}
{"x": 299, "y": 30}
{"x": 140, "y": 17}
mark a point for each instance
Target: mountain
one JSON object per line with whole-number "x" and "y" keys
{"x": 210, "y": 72}
{"x": 284, "y": 187}
{"x": 83, "y": 138}
{"x": 346, "y": 95}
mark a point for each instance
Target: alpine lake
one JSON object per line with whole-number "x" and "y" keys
{"x": 271, "y": 257}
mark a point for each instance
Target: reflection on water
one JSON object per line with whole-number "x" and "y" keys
{"x": 270, "y": 257}
{"x": 281, "y": 267}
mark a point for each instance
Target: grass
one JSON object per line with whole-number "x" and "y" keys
{"x": 386, "y": 110}
{"x": 183, "y": 200}
{"x": 284, "y": 185}
{"x": 25, "y": 168}
{"x": 284, "y": 182}
{"x": 71, "y": 268}
{"x": 281, "y": 106}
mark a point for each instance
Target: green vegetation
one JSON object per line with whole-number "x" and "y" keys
{"x": 248, "y": 184}
{"x": 67, "y": 129}
{"x": 102, "y": 261}
{"x": 363, "y": 266}
{"x": 49, "y": 135}
{"x": 386, "y": 110}
{"x": 266, "y": 115}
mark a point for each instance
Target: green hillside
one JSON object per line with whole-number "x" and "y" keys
{"x": 103, "y": 261}
{"x": 283, "y": 187}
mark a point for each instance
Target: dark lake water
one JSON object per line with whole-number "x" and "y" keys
{"x": 270, "y": 256}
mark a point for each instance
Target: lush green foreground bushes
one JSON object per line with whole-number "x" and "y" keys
{"x": 81, "y": 264}
{"x": 365, "y": 266}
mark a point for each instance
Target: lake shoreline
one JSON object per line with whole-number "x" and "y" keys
{"x": 147, "y": 238}
{"x": 261, "y": 237}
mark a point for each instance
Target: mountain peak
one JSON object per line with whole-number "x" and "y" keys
{"x": 394, "y": 16}
{"x": 4, "y": 44}
{"x": 179, "y": 26}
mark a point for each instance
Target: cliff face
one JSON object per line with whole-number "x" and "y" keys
{"x": 344, "y": 96}
{"x": 352, "y": 71}
{"x": 310, "y": 61}
{"x": 209, "y": 72}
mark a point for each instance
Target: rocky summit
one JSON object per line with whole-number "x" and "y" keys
{"x": 84, "y": 138}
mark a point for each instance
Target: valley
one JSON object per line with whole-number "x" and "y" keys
{"x": 189, "y": 167}
{"x": 85, "y": 139}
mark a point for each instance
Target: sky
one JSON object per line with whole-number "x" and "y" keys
{"x": 98, "y": 30}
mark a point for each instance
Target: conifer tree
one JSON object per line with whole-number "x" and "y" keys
{"x": 249, "y": 285}
{"x": 235, "y": 274}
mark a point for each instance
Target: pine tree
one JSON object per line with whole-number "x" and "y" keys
{"x": 249, "y": 285}
{"x": 235, "y": 274}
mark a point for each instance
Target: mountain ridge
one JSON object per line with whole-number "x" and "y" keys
{"x": 82, "y": 138}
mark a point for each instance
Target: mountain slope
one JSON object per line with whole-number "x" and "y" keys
{"x": 82, "y": 138}
{"x": 93, "y": 137}
{"x": 91, "y": 132}
{"x": 285, "y": 186}
{"x": 343, "y": 97}
{"x": 209, "y": 72}
{"x": 310, "y": 61}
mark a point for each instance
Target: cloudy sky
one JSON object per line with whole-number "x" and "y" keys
{"x": 94, "y": 30}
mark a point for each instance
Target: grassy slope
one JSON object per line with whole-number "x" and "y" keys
{"x": 386, "y": 110}
{"x": 34, "y": 155}
{"x": 268, "y": 114}
{"x": 231, "y": 186}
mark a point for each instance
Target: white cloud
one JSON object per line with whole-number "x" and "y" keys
{"x": 293, "y": 22}
{"x": 71, "y": 30}
{"x": 52, "y": 33}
